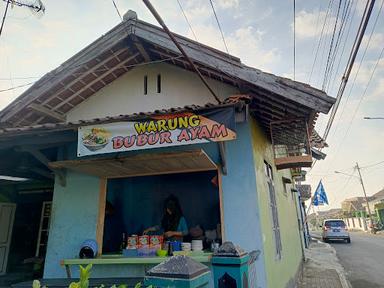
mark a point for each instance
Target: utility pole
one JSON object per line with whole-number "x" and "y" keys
{"x": 365, "y": 194}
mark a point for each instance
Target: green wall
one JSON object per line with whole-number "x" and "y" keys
{"x": 280, "y": 273}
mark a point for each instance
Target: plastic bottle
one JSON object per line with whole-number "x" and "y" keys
{"x": 170, "y": 249}
{"x": 123, "y": 244}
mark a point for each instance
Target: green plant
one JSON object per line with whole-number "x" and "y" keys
{"x": 36, "y": 284}
{"x": 85, "y": 274}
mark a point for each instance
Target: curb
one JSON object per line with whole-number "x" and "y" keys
{"x": 343, "y": 280}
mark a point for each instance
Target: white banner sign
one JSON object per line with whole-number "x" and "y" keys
{"x": 159, "y": 131}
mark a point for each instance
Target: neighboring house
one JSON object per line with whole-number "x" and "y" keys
{"x": 353, "y": 204}
{"x": 85, "y": 138}
{"x": 376, "y": 198}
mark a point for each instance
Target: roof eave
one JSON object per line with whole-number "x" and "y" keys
{"x": 300, "y": 93}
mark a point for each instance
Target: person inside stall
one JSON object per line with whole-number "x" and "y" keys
{"x": 112, "y": 231}
{"x": 173, "y": 224}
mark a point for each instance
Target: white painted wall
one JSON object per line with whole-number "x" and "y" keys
{"x": 126, "y": 95}
{"x": 356, "y": 223}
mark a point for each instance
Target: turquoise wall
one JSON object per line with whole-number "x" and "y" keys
{"x": 74, "y": 217}
{"x": 241, "y": 214}
{"x": 75, "y": 209}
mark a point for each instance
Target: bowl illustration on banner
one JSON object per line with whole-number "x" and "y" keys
{"x": 96, "y": 139}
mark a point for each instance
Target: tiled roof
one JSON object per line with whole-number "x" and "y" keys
{"x": 317, "y": 141}
{"x": 378, "y": 195}
{"x": 238, "y": 101}
{"x": 116, "y": 53}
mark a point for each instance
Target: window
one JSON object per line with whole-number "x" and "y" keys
{"x": 274, "y": 212}
{"x": 285, "y": 189}
{"x": 145, "y": 85}
{"x": 158, "y": 83}
{"x": 268, "y": 170}
{"x": 335, "y": 223}
{"x": 286, "y": 182}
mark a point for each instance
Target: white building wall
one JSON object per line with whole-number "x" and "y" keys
{"x": 125, "y": 95}
{"x": 356, "y": 223}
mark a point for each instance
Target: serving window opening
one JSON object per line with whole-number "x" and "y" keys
{"x": 135, "y": 204}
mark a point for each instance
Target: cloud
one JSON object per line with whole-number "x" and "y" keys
{"x": 365, "y": 71}
{"x": 245, "y": 43}
{"x": 377, "y": 91}
{"x": 376, "y": 42}
{"x": 226, "y": 4}
{"x": 198, "y": 12}
{"x": 309, "y": 24}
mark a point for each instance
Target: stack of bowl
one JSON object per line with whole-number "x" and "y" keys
{"x": 186, "y": 247}
{"x": 197, "y": 245}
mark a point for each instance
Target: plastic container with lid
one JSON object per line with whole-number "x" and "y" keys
{"x": 88, "y": 249}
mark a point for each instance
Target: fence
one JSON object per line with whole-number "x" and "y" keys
{"x": 356, "y": 223}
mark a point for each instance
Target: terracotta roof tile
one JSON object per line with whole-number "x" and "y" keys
{"x": 239, "y": 101}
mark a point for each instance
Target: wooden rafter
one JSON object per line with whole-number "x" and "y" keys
{"x": 70, "y": 84}
{"x": 45, "y": 161}
{"x": 82, "y": 76}
{"x": 120, "y": 65}
{"x": 47, "y": 112}
{"x": 139, "y": 46}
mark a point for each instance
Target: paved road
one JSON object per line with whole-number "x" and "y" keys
{"x": 363, "y": 259}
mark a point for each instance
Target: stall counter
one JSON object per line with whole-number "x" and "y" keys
{"x": 118, "y": 259}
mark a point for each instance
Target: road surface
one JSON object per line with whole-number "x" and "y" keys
{"x": 363, "y": 259}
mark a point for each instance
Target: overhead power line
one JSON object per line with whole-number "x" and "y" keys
{"x": 85, "y": 72}
{"x": 372, "y": 165}
{"x": 331, "y": 45}
{"x": 218, "y": 24}
{"x": 4, "y": 17}
{"x": 18, "y": 78}
{"x": 186, "y": 19}
{"x": 180, "y": 48}
{"x": 16, "y": 87}
{"x": 355, "y": 49}
{"x": 117, "y": 10}
{"x": 320, "y": 39}
{"x": 343, "y": 190}
{"x": 359, "y": 67}
{"x": 350, "y": 19}
{"x": 363, "y": 95}
{"x": 344, "y": 20}
{"x": 36, "y": 7}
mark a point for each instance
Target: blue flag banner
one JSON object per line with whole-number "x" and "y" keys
{"x": 320, "y": 197}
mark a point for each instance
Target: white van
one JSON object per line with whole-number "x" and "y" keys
{"x": 335, "y": 229}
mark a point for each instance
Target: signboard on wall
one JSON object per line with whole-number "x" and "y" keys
{"x": 158, "y": 131}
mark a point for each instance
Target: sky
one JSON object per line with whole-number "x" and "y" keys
{"x": 260, "y": 33}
